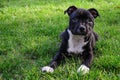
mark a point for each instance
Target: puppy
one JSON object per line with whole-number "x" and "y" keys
{"x": 78, "y": 39}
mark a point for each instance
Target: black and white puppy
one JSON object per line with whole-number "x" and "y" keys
{"x": 79, "y": 39}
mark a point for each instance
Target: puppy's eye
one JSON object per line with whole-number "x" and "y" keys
{"x": 75, "y": 20}
{"x": 89, "y": 21}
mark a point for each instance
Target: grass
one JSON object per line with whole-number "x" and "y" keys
{"x": 29, "y": 38}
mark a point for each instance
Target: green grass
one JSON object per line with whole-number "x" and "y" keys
{"x": 29, "y": 38}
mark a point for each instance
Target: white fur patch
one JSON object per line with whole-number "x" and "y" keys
{"x": 75, "y": 43}
{"x": 47, "y": 69}
{"x": 84, "y": 69}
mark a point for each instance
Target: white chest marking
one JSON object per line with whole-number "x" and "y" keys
{"x": 75, "y": 43}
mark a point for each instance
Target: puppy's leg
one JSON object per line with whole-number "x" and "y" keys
{"x": 54, "y": 63}
{"x": 87, "y": 58}
{"x": 57, "y": 58}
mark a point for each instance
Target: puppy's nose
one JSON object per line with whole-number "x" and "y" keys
{"x": 82, "y": 28}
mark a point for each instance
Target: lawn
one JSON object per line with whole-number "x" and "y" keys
{"x": 29, "y": 38}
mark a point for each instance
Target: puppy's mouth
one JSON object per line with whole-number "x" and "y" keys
{"x": 79, "y": 32}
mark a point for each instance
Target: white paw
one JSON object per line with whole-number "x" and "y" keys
{"x": 47, "y": 69}
{"x": 84, "y": 69}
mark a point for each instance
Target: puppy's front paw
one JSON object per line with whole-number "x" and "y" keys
{"x": 84, "y": 69}
{"x": 47, "y": 69}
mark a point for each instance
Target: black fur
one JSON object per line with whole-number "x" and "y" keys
{"x": 78, "y": 17}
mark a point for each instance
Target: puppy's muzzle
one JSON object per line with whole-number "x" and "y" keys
{"x": 81, "y": 30}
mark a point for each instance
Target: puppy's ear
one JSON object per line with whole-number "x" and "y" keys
{"x": 70, "y": 10}
{"x": 94, "y": 12}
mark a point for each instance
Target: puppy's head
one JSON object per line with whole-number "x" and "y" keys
{"x": 81, "y": 21}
